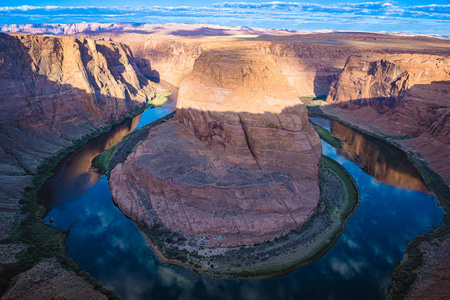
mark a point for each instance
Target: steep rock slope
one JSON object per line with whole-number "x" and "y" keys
{"x": 241, "y": 164}
{"x": 170, "y": 60}
{"x": 239, "y": 98}
{"x": 56, "y": 90}
{"x": 401, "y": 95}
{"x": 309, "y": 62}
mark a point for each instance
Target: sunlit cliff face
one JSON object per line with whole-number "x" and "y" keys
{"x": 240, "y": 99}
{"x": 387, "y": 164}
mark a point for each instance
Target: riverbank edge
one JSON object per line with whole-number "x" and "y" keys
{"x": 403, "y": 275}
{"x": 351, "y": 198}
{"x": 327, "y": 136}
{"x": 118, "y": 153}
{"x": 44, "y": 241}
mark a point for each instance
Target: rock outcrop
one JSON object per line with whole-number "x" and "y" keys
{"x": 432, "y": 276}
{"x": 401, "y": 95}
{"x": 310, "y": 62}
{"x": 56, "y": 90}
{"x": 240, "y": 99}
{"x": 240, "y": 164}
{"x": 48, "y": 279}
{"x": 239, "y": 167}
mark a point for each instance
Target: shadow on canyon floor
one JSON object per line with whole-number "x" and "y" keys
{"x": 42, "y": 119}
{"x": 323, "y": 80}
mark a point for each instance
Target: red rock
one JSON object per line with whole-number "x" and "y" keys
{"x": 401, "y": 95}
{"x": 244, "y": 167}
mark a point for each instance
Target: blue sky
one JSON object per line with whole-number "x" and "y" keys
{"x": 408, "y": 16}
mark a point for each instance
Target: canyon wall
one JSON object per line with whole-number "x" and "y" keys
{"x": 309, "y": 64}
{"x": 309, "y": 69}
{"x": 56, "y": 90}
{"x": 405, "y": 95}
{"x": 240, "y": 98}
{"x": 169, "y": 60}
{"x": 240, "y": 164}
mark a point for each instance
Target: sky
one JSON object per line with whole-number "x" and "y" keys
{"x": 418, "y": 16}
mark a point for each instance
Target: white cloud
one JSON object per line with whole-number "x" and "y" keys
{"x": 366, "y": 16}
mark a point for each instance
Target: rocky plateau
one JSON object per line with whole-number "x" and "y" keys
{"x": 401, "y": 95}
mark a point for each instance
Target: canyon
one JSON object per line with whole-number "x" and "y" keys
{"x": 240, "y": 135}
{"x": 56, "y": 91}
{"x": 401, "y": 95}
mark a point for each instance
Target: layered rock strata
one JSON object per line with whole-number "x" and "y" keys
{"x": 239, "y": 167}
{"x": 56, "y": 90}
{"x": 310, "y": 62}
{"x": 401, "y": 95}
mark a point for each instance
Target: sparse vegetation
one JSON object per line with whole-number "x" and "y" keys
{"x": 45, "y": 241}
{"x": 404, "y": 274}
{"x": 327, "y": 136}
{"x": 339, "y": 198}
{"x": 119, "y": 152}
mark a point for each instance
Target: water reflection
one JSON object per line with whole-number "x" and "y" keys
{"x": 75, "y": 174}
{"x": 111, "y": 248}
{"x": 384, "y": 162}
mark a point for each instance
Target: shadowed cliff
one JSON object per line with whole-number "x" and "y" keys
{"x": 401, "y": 95}
{"x": 57, "y": 90}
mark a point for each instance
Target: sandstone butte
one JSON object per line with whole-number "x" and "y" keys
{"x": 374, "y": 78}
{"x": 238, "y": 166}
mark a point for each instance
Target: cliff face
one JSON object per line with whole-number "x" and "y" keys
{"x": 401, "y": 95}
{"x": 239, "y": 98}
{"x": 54, "y": 91}
{"x": 241, "y": 164}
{"x": 309, "y": 69}
{"x": 170, "y": 60}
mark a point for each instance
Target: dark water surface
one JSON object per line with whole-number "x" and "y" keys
{"x": 395, "y": 207}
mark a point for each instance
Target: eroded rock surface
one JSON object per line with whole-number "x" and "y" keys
{"x": 239, "y": 167}
{"x": 401, "y": 95}
{"x": 49, "y": 280}
{"x": 56, "y": 90}
{"x": 432, "y": 276}
{"x": 240, "y": 99}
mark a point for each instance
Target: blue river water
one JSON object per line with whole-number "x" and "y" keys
{"x": 395, "y": 207}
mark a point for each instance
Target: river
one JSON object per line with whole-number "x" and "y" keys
{"x": 395, "y": 207}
